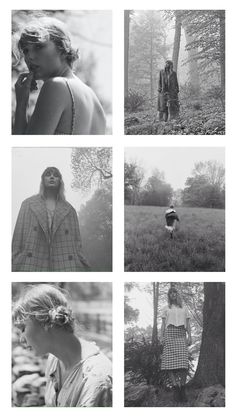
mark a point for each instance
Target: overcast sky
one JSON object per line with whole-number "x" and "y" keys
{"x": 176, "y": 162}
{"x": 28, "y": 165}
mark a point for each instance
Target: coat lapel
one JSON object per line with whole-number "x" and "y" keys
{"x": 62, "y": 209}
{"x": 39, "y": 209}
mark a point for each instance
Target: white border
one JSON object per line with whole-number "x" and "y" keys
{"x": 118, "y": 141}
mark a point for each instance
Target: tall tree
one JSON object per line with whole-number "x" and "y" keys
{"x": 177, "y": 38}
{"x": 222, "y": 51}
{"x": 133, "y": 176}
{"x": 192, "y": 61}
{"x": 91, "y": 166}
{"x": 147, "y": 49}
{"x": 126, "y": 47}
{"x": 211, "y": 364}
{"x": 155, "y": 288}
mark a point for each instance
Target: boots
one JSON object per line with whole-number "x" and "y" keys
{"x": 177, "y": 394}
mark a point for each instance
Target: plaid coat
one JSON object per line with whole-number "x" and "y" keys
{"x": 34, "y": 248}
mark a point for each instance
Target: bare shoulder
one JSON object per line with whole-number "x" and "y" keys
{"x": 55, "y": 86}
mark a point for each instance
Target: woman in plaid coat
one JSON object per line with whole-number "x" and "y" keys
{"x": 175, "y": 324}
{"x": 47, "y": 235}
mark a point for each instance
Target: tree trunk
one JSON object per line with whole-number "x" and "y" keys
{"x": 193, "y": 64}
{"x": 222, "y": 53}
{"x": 211, "y": 364}
{"x": 151, "y": 63}
{"x": 155, "y": 287}
{"x": 126, "y": 47}
{"x": 175, "y": 56}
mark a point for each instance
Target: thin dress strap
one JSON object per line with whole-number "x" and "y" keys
{"x": 73, "y": 108}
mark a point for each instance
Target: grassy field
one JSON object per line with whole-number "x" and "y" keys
{"x": 198, "y": 245}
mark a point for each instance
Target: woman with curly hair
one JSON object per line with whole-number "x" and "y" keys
{"x": 175, "y": 324}
{"x": 65, "y": 104}
{"x": 77, "y": 373}
{"x": 47, "y": 235}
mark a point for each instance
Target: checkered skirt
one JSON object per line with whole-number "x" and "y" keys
{"x": 175, "y": 352}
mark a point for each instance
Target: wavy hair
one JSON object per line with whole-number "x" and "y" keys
{"x": 46, "y": 304}
{"x": 61, "y": 190}
{"x": 179, "y": 302}
{"x": 43, "y": 29}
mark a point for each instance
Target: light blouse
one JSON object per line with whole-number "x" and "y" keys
{"x": 89, "y": 383}
{"x": 176, "y": 316}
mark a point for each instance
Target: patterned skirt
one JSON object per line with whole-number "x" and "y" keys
{"x": 175, "y": 351}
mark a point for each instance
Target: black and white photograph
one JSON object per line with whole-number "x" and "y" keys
{"x": 174, "y": 209}
{"x": 62, "y": 344}
{"x": 174, "y": 81}
{"x": 61, "y": 72}
{"x": 62, "y": 209}
{"x": 174, "y": 344}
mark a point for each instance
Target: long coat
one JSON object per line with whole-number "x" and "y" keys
{"x": 168, "y": 88}
{"x": 35, "y": 248}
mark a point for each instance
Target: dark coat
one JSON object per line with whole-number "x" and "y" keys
{"x": 34, "y": 248}
{"x": 170, "y": 218}
{"x": 168, "y": 88}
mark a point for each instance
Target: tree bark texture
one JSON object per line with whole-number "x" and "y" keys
{"x": 177, "y": 38}
{"x": 155, "y": 287}
{"x": 126, "y": 47}
{"x": 193, "y": 64}
{"x": 211, "y": 364}
{"x": 222, "y": 51}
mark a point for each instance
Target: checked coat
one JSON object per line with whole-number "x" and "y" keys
{"x": 35, "y": 248}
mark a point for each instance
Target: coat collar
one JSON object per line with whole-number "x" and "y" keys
{"x": 39, "y": 208}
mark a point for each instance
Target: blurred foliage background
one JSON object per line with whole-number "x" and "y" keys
{"x": 91, "y": 303}
{"x": 91, "y": 33}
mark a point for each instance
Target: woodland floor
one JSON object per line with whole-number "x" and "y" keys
{"x": 164, "y": 398}
{"x": 204, "y": 118}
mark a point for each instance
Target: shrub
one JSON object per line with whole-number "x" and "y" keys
{"x": 134, "y": 101}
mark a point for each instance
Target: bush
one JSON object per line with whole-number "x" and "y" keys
{"x": 134, "y": 101}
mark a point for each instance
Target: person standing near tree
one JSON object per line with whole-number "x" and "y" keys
{"x": 175, "y": 325}
{"x": 168, "y": 88}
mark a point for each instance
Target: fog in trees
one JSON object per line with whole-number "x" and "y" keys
{"x": 195, "y": 42}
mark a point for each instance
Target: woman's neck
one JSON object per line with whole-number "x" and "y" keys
{"x": 66, "y": 347}
{"x": 63, "y": 71}
{"x": 51, "y": 194}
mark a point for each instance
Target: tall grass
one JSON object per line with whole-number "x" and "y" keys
{"x": 198, "y": 244}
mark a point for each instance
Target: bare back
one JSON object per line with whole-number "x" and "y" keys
{"x": 83, "y": 113}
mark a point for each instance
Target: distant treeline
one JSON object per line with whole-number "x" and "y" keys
{"x": 204, "y": 188}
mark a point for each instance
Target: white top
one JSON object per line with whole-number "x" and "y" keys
{"x": 176, "y": 315}
{"x": 88, "y": 384}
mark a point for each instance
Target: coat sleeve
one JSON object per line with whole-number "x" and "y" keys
{"x": 18, "y": 235}
{"x": 79, "y": 241}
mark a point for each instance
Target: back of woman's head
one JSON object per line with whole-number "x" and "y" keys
{"x": 45, "y": 304}
{"x": 43, "y": 29}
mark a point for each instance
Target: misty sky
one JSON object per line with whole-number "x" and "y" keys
{"x": 28, "y": 165}
{"x": 177, "y": 163}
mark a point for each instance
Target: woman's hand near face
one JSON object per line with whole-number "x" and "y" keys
{"x": 23, "y": 88}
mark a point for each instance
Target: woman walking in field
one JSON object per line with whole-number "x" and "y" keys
{"x": 77, "y": 373}
{"x": 175, "y": 326}
{"x": 65, "y": 104}
{"x": 47, "y": 234}
{"x": 171, "y": 220}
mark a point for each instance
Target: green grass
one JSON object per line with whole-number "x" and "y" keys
{"x": 198, "y": 245}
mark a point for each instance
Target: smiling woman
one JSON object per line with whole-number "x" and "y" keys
{"x": 65, "y": 104}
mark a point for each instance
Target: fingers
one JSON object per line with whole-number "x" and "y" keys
{"x": 24, "y": 79}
